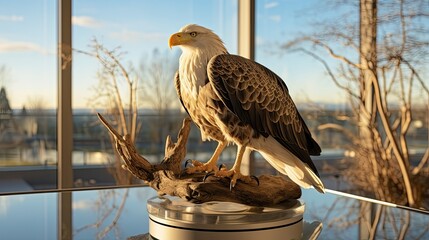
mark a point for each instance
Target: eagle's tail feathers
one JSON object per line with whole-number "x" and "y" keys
{"x": 287, "y": 163}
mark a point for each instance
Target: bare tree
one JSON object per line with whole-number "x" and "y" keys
{"x": 157, "y": 73}
{"x": 382, "y": 86}
{"x": 159, "y": 95}
{"x": 36, "y": 103}
{"x": 35, "y": 122}
{"x": 117, "y": 93}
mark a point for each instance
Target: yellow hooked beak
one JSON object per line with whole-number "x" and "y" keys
{"x": 178, "y": 39}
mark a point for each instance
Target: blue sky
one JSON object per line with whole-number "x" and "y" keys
{"x": 28, "y": 42}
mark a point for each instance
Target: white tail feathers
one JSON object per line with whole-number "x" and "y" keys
{"x": 287, "y": 163}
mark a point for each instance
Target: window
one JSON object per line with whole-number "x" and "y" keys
{"x": 28, "y": 95}
{"x": 28, "y": 79}
{"x": 352, "y": 69}
{"x": 138, "y": 33}
{"x": 291, "y": 39}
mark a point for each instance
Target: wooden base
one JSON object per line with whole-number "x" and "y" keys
{"x": 169, "y": 178}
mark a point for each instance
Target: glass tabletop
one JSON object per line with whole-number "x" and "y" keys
{"x": 121, "y": 213}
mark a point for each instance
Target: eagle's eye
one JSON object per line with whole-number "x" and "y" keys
{"x": 193, "y": 34}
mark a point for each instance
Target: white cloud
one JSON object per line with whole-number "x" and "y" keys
{"x": 135, "y": 36}
{"x": 11, "y": 18}
{"x": 260, "y": 40}
{"x": 276, "y": 18}
{"x": 19, "y": 46}
{"x": 85, "y": 21}
{"x": 271, "y": 5}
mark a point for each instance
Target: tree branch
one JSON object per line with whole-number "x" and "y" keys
{"x": 413, "y": 70}
{"x": 338, "y": 127}
{"x": 331, "y": 52}
{"x": 422, "y": 163}
{"x": 399, "y": 156}
{"x": 328, "y": 69}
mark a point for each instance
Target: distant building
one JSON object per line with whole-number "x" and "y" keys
{"x": 9, "y": 129}
{"x": 5, "y": 110}
{"x": 16, "y": 132}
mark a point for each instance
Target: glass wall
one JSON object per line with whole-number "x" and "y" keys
{"x": 28, "y": 96}
{"x": 284, "y": 34}
{"x": 109, "y": 36}
{"x": 358, "y": 76}
{"x": 135, "y": 33}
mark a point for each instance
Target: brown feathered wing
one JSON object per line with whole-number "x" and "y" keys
{"x": 260, "y": 98}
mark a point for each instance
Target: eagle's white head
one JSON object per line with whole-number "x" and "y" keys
{"x": 195, "y": 38}
{"x": 199, "y": 45}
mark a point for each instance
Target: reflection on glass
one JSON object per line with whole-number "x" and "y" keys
{"x": 123, "y": 69}
{"x": 27, "y": 95}
{"x": 32, "y": 216}
{"x": 348, "y": 218}
{"x": 110, "y": 214}
{"x": 121, "y": 213}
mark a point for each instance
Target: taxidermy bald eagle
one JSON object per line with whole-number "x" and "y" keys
{"x": 236, "y": 100}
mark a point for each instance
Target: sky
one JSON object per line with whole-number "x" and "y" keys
{"x": 28, "y": 42}
{"x": 28, "y": 39}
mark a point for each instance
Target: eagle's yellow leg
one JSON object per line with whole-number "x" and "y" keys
{"x": 210, "y": 165}
{"x": 235, "y": 173}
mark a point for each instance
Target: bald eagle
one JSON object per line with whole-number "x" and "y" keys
{"x": 236, "y": 100}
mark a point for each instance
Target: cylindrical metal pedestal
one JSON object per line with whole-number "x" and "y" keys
{"x": 176, "y": 219}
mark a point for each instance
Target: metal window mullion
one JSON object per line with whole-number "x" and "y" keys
{"x": 64, "y": 119}
{"x": 64, "y": 115}
{"x": 246, "y": 48}
{"x": 246, "y": 28}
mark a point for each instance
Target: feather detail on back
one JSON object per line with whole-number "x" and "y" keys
{"x": 261, "y": 99}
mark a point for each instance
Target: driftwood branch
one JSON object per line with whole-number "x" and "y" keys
{"x": 169, "y": 178}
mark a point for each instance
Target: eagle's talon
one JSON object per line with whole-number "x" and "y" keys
{"x": 194, "y": 163}
{"x": 222, "y": 167}
{"x": 231, "y": 186}
{"x": 233, "y": 182}
{"x": 235, "y": 176}
{"x": 201, "y": 167}
{"x": 187, "y": 162}
{"x": 208, "y": 175}
{"x": 256, "y": 178}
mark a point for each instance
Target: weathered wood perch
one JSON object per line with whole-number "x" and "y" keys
{"x": 169, "y": 178}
